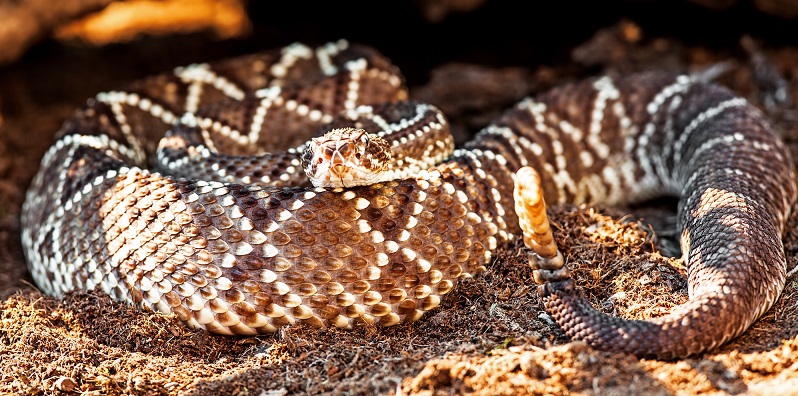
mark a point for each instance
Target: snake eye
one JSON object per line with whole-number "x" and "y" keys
{"x": 358, "y": 155}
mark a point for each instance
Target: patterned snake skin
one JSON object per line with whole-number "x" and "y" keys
{"x": 244, "y": 259}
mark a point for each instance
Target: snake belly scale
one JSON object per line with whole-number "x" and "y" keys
{"x": 249, "y": 254}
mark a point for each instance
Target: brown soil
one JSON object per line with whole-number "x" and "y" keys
{"x": 490, "y": 336}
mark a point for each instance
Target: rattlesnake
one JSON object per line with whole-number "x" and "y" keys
{"x": 246, "y": 259}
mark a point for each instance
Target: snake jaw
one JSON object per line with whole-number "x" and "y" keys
{"x": 346, "y": 157}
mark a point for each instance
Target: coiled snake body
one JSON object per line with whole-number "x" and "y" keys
{"x": 238, "y": 258}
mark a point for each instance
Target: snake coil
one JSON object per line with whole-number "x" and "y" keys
{"x": 264, "y": 250}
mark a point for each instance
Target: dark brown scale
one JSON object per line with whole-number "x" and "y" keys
{"x": 320, "y": 277}
{"x": 317, "y": 251}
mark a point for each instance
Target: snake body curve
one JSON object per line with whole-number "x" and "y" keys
{"x": 245, "y": 259}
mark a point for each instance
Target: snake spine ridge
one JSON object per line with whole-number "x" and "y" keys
{"x": 244, "y": 259}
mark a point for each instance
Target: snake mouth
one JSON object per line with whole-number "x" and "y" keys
{"x": 339, "y": 171}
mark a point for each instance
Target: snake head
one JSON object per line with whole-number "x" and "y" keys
{"x": 346, "y": 157}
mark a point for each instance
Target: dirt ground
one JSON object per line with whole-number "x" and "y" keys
{"x": 490, "y": 336}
